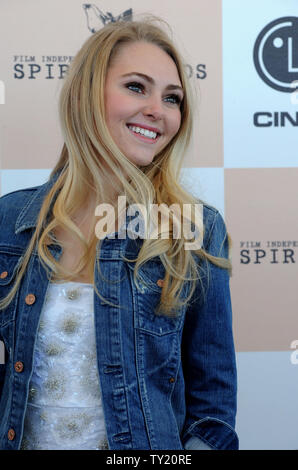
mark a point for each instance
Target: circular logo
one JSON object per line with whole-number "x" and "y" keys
{"x": 276, "y": 54}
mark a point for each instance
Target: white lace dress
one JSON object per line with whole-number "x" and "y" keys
{"x": 64, "y": 409}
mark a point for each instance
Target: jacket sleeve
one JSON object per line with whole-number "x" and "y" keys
{"x": 208, "y": 354}
{"x": 2, "y": 347}
{"x": 2, "y": 365}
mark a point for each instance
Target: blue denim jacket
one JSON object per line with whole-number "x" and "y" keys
{"x": 165, "y": 382}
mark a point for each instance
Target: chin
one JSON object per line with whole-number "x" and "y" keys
{"x": 141, "y": 161}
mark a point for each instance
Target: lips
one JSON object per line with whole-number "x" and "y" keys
{"x": 145, "y": 126}
{"x": 144, "y": 134}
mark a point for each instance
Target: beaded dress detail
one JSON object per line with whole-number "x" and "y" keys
{"x": 64, "y": 409}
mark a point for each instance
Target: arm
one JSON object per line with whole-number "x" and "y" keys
{"x": 208, "y": 354}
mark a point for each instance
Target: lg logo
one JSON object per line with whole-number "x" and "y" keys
{"x": 276, "y": 54}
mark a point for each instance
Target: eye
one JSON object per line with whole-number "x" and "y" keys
{"x": 135, "y": 86}
{"x": 175, "y": 99}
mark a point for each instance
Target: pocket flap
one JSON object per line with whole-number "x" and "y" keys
{"x": 9, "y": 264}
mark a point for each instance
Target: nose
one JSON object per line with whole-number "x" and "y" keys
{"x": 154, "y": 108}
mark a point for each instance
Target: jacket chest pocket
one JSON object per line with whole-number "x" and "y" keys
{"x": 9, "y": 264}
{"x": 147, "y": 298}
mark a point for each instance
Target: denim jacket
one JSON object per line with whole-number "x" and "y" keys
{"x": 165, "y": 381}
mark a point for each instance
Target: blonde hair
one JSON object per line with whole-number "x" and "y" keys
{"x": 89, "y": 154}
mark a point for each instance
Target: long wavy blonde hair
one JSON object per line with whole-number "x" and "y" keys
{"x": 89, "y": 155}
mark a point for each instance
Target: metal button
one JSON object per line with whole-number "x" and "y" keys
{"x": 19, "y": 366}
{"x": 30, "y": 299}
{"x": 11, "y": 434}
{"x": 172, "y": 379}
{"x": 160, "y": 282}
{"x": 4, "y": 274}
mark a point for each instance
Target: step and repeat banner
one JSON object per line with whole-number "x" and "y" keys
{"x": 242, "y": 60}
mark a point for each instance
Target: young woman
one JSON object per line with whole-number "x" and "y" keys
{"x": 115, "y": 340}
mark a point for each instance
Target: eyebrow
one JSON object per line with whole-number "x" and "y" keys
{"x": 150, "y": 80}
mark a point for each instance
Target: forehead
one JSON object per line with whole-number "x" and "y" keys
{"x": 146, "y": 58}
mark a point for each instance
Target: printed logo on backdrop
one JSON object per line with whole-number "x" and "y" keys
{"x": 52, "y": 67}
{"x": 276, "y": 54}
{"x": 275, "y": 57}
{"x": 96, "y": 18}
{"x": 273, "y": 252}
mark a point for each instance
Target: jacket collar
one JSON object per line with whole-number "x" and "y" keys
{"x": 27, "y": 219}
{"x": 29, "y": 214}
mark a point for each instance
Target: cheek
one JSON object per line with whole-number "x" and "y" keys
{"x": 118, "y": 108}
{"x": 175, "y": 124}
{"x": 111, "y": 109}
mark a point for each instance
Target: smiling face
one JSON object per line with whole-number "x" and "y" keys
{"x": 142, "y": 99}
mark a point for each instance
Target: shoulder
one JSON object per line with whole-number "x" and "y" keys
{"x": 12, "y": 204}
{"x": 213, "y": 221}
{"x": 216, "y": 236}
{"x": 18, "y": 212}
{"x": 17, "y": 195}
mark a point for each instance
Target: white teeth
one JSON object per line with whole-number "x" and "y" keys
{"x": 145, "y": 132}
